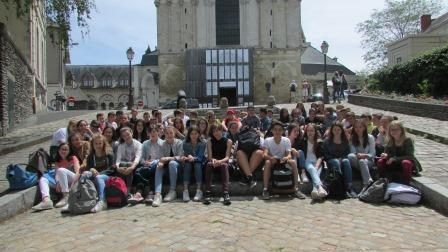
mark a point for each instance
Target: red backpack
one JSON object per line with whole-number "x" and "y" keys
{"x": 116, "y": 192}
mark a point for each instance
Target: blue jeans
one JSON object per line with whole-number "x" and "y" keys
{"x": 314, "y": 173}
{"x": 100, "y": 183}
{"x": 346, "y": 169}
{"x": 172, "y": 166}
{"x": 197, "y": 172}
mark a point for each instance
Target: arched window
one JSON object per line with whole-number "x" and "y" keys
{"x": 123, "y": 80}
{"x": 106, "y": 80}
{"x": 87, "y": 81}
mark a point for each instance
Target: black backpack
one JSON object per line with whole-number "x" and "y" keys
{"x": 282, "y": 177}
{"x": 333, "y": 183}
{"x": 248, "y": 140}
{"x": 39, "y": 161}
{"x": 375, "y": 192}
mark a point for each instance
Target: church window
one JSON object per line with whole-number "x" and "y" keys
{"x": 227, "y": 22}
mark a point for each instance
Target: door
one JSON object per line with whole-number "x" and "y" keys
{"x": 230, "y": 94}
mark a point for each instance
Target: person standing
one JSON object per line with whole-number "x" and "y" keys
{"x": 344, "y": 84}
{"x": 336, "y": 87}
{"x": 305, "y": 90}
{"x": 292, "y": 90}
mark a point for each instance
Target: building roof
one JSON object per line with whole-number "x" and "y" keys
{"x": 313, "y": 63}
{"x": 150, "y": 58}
{"x": 78, "y": 71}
{"x": 436, "y": 23}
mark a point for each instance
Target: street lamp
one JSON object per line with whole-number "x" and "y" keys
{"x": 130, "y": 55}
{"x": 324, "y": 48}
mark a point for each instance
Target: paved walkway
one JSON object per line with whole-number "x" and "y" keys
{"x": 246, "y": 225}
{"x": 432, "y": 126}
{"x": 20, "y": 138}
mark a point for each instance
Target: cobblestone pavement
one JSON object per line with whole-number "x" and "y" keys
{"x": 278, "y": 225}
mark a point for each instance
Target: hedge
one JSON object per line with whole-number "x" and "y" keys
{"x": 424, "y": 75}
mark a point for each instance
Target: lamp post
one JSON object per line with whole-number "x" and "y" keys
{"x": 130, "y": 55}
{"x": 324, "y": 48}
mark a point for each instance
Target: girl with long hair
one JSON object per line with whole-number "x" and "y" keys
{"x": 336, "y": 150}
{"x": 362, "y": 152}
{"x": 398, "y": 155}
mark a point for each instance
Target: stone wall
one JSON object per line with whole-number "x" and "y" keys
{"x": 278, "y": 67}
{"x": 16, "y": 84}
{"x": 434, "y": 111}
{"x": 172, "y": 75}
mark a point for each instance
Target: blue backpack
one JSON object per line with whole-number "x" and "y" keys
{"x": 19, "y": 178}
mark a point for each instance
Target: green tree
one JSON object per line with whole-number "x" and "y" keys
{"x": 58, "y": 12}
{"x": 398, "y": 19}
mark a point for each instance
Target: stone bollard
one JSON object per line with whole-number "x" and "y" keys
{"x": 182, "y": 103}
{"x": 271, "y": 101}
{"x": 224, "y": 103}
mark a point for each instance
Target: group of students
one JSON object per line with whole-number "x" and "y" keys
{"x": 141, "y": 151}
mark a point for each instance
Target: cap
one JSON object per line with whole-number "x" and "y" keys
{"x": 231, "y": 111}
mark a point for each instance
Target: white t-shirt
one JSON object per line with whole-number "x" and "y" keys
{"x": 60, "y": 136}
{"x": 277, "y": 150}
{"x": 310, "y": 155}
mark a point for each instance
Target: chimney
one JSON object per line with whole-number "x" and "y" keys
{"x": 425, "y": 22}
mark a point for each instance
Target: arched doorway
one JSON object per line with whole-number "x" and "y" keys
{"x": 111, "y": 105}
{"x": 106, "y": 99}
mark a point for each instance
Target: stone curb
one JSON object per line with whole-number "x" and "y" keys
{"x": 430, "y": 136}
{"x": 19, "y": 146}
{"x": 17, "y": 202}
{"x": 434, "y": 195}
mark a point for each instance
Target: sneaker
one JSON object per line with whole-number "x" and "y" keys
{"x": 198, "y": 195}
{"x": 351, "y": 193}
{"x": 322, "y": 192}
{"x": 226, "y": 197}
{"x": 244, "y": 180}
{"x": 170, "y": 196}
{"x": 299, "y": 194}
{"x": 314, "y": 194}
{"x": 44, "y": 205}
{"x": 252, "y": 182}
{"x": 100, "y": 205}
{"x": 265, "y": 195}
{"x": 149, "y": 198}
{"x": 305, "y": 178}
{"x": 208, "y": 198}
{"x": 157, "y": 200}
{"x": 186, "y": 196}
{"x": 62, "y": 203}
{"x": 64, "y": 209}
{"x": 135, "y": 199}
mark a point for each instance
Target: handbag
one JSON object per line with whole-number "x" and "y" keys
{"x": 19, "y": 178}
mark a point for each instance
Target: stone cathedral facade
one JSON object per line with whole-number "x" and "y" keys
{"x": 244, "y": 50}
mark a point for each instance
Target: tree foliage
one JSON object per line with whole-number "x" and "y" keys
{"x": 398, "y": 19}
{"x": 58, "y": 12}
{"x": 424, "y": 75}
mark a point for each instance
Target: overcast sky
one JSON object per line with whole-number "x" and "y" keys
{"x": 117, "y": 25}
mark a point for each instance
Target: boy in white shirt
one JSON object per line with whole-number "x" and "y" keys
{"x": 278, "y": 150}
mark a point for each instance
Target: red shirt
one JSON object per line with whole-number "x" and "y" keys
{"x": 67, "y": 164}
